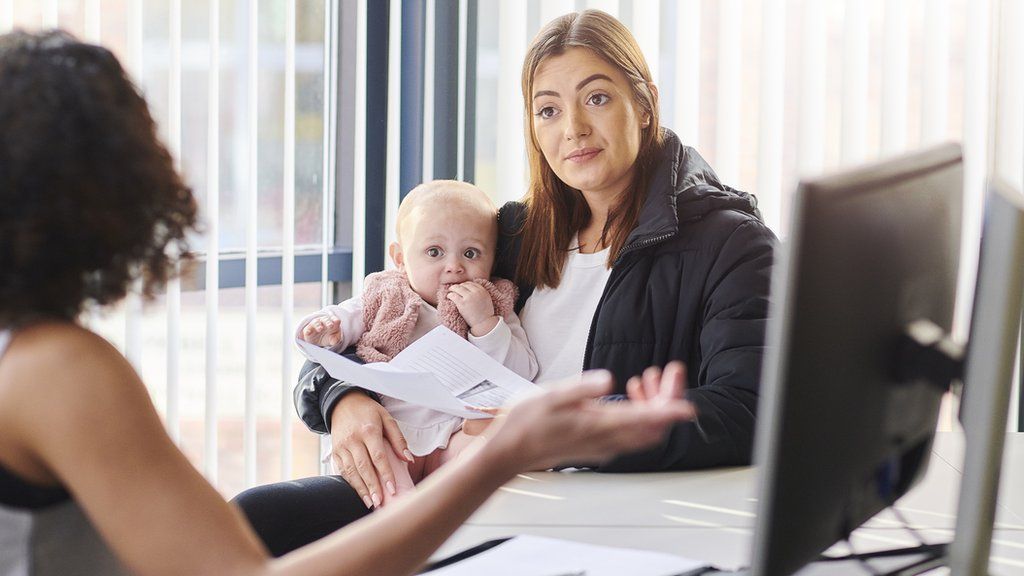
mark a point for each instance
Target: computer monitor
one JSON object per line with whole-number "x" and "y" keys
{"x": 845, "y": 428}
{"x": 988, "y": 376}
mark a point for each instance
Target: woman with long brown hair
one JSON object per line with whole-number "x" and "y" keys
{"x": 629, "y": 254}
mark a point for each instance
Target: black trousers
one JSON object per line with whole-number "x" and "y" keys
{"x": 289, "y": 515}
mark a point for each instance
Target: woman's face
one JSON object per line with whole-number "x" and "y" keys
{"x": 586, "y": 122}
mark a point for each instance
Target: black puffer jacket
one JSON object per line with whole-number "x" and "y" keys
{"x": 691, "y": 284}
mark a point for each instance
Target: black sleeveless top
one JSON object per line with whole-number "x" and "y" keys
{"x": 21, "y": 494}
{"x": 43, "y": 531}
{"x": 16, "y": 492}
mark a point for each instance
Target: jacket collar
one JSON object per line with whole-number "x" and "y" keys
{"x": 683, "y": 187}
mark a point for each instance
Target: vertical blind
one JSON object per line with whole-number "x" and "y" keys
{"x": 247, "y": 96}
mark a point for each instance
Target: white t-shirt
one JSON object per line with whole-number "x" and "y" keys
{"x": 558, "y": 321}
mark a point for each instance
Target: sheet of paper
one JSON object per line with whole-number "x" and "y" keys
{"x": 538, "y": 556}
{"x": 465, "y": 370}
{"x": 418, "y": 388}
{"x": 440, "y": 370}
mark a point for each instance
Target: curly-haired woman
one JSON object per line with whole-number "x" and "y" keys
{"x": 89, "y": 481}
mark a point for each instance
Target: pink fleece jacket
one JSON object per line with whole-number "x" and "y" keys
{"x": 391, "y": 307}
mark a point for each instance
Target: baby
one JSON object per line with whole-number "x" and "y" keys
{"x": 447, "y": 235}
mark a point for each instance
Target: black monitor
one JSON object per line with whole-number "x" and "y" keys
{"x": 988, "y": 376}
{"x": 846, "y": 425}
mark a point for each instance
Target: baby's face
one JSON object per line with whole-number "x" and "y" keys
{"x": 445, "y": 244}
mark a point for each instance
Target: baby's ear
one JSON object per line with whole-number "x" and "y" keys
{"x": 395, "y": 251}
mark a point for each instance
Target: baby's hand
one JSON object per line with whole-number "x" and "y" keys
{"x": 323, "y": 331}
{"x": 475, "y": 305}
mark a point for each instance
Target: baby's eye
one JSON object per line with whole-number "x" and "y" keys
{"x": 546, "y": 112}
{"x": 471, "y": 253}
{"x": 599, "y": 99}
{"x": 434, "y": 252}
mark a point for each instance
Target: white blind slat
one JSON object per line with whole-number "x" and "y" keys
{"x": 134, "y": 36}
{"x": 133, "y": 302}
{"x": 51, "y": 14}
{"x": 687, "y": 72}
{"x": 210, "y": 435}
{"x": 174, "y": 286}
{"x": 975, "y": 144}
{"x": 330, "y": 147}
{"x": 511, "y": 146}
{"x": 133, "y": 326}
{"x": 394, "y": 148}
{"x": 551, "y": 9}
{"x": 93, "y": 16}
{"x": 855, "y": 82}
{"x": 935, "y": 73}
{"x": 460, "y": 153}
{"x": 427, "y": 143}
{"x": 173, "y": 414}
{"x": 727, "y": 116}
{"x": 647, "y": 30}
{"x": 1008, "y": 150}
{"x": 609, "y": 6}
{"x": 813, "y": 51}
{"x": 770, "y": 125}
{"x": 6, "y": 15}
{"x": 288, "y": 241}
{"x": 894, "y": 78}
{"x": 252, "y": 88}
{"x": 330, "y": 135}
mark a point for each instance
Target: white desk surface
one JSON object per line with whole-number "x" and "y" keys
{"x": 709, "y": 515}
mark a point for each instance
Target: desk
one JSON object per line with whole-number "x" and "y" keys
{"x": 709, "y": 514}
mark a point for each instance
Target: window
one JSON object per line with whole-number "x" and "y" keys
{"x": 327, "y": 112}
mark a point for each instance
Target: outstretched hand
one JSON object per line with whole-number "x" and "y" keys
{"x": 656, "y": 386}
{"x": 566, "y": 424}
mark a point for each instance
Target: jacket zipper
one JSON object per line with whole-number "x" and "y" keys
{"x": 587, "y": 351}
{"x": 643, "y": 244}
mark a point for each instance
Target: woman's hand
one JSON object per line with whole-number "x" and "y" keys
{"x": 656, "y": 387}
{"x": 566, "y": 424}
{"x": 362, "y": 432}
{"x": 477, "y": 427}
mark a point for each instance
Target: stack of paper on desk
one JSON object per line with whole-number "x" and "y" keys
{"x": 440, "y": 371}
{"x": 537, "y": 556}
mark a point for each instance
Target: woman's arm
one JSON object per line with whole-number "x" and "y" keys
{"x": 537, "y": 434}
{"x": 95, "y": 431}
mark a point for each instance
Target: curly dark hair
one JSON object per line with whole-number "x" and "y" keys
{"x": 89, "y": 197}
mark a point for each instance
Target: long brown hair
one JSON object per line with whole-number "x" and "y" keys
{"x": 556, "y": 211}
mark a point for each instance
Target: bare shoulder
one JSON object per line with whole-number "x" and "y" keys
{"x": 58, "y": 364}
{"x": 58, "y": 381}
{"x": 58, "y": 347}
{"x": 36, "y": 340}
